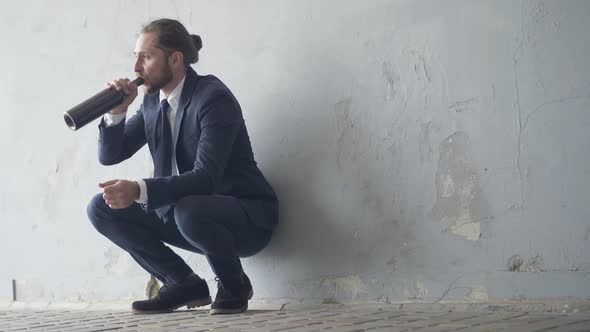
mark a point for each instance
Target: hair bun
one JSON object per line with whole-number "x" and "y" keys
{"x": 197, "y": 42}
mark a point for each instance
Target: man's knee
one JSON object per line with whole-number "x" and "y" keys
{"x": 192, "y": 213}
{"x": 189, "y": 209}
{"x": 98, "y": 211}
{"x": 195, "y": 218}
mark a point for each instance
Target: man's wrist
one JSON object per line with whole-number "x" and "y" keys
{"x": 136, "y": 190}
{"x": 142, "y": 192}
{"x": 113, "y": 119}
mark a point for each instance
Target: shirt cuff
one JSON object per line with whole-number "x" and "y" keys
{"x": 113, "y": 119}
{"x": 142, "y": 192}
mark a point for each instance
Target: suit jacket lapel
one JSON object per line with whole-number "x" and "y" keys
{"x": 185, "y": 99}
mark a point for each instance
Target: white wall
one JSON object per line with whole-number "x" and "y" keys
{"x": 416, "y": 146}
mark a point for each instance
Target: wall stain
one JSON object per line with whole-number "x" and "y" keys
{"x": 477, "y": 294}
{"x": 343, "y": 287}
{"x": 345, "y": 125}
{"x": 330, "y": 289}
{"x": 421, "y": 65}
{"x": 392, "y": 79}
{"x": 539, "y": 12}
{"x": 393, "y": 263}
{"x": 425, "y": 146}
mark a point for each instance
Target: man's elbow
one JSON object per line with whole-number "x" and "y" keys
{"x": 106, "y": 161}
{"x": 204, "y": 180}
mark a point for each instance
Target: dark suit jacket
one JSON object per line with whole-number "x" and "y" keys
{"x": 213, "y": 150}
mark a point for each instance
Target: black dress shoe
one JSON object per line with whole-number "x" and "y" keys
{"x": 192, "y": 292}
{"x": 232, "y": 298}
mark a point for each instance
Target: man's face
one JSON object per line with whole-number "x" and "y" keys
{"x": 151, "y": 63}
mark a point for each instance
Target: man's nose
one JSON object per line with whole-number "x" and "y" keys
{"x": 137, "y": 67}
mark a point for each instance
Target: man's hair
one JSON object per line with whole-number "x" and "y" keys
{"x": 172, "y": 36}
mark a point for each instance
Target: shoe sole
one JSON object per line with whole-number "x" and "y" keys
{"x": 219, "y": 311}
{"x": 189, "y": 305}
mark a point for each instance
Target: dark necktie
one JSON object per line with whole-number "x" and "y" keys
{"x": 163, "y": 157}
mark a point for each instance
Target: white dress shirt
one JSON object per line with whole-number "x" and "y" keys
{"x": 173, "y": 101}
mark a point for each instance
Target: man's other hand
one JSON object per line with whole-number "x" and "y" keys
{"x": 119, "y": 194}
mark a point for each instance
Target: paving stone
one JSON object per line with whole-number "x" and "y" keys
{"x": 319, "y": 318}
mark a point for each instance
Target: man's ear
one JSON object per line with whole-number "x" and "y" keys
{"x": 175, "y": 58}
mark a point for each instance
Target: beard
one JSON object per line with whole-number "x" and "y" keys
{"x": 160, "y": 81}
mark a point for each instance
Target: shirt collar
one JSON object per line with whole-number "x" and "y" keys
{"x": 174, "y": 97}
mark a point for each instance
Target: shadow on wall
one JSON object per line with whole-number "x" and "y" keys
{"x": 299, "y": 161}
{"x": 319, "y": 153}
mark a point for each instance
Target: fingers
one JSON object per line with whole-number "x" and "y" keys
{"x": 123, "y": 84}
{"x": 132, "y": 89}
{"x": 113, "y": 200}
{"x": 120, "y": 85}
{"x": 116, "y": 193}
{"x": 107, "y": 183}
{"x": 116, "y": 205}
{"x": 116, "y": 201}
{"x": 110, "y": 197}
{"x": 111, "y": 190}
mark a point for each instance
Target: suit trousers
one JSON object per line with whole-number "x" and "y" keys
{"x": 214, "y": 226}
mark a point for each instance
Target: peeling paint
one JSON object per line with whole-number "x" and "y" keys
{"x": 152, "y": 288}
{"x": 418, "y": 291}
{"x": 477, "y": 294}
{"x": 421, "y": 291}
{"x": 459, "y": 198}
{"x": 29, "y": 289}
{"x": 464, "y": 105}
{"x": 344, "y": 287}
{"x": 448, "y": 186}
{"x": 517, "y": 264}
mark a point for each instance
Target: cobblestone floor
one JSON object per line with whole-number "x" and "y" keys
{"x": 343, "y": 318}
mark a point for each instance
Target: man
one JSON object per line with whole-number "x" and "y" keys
{"x": 207, "y": 195}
